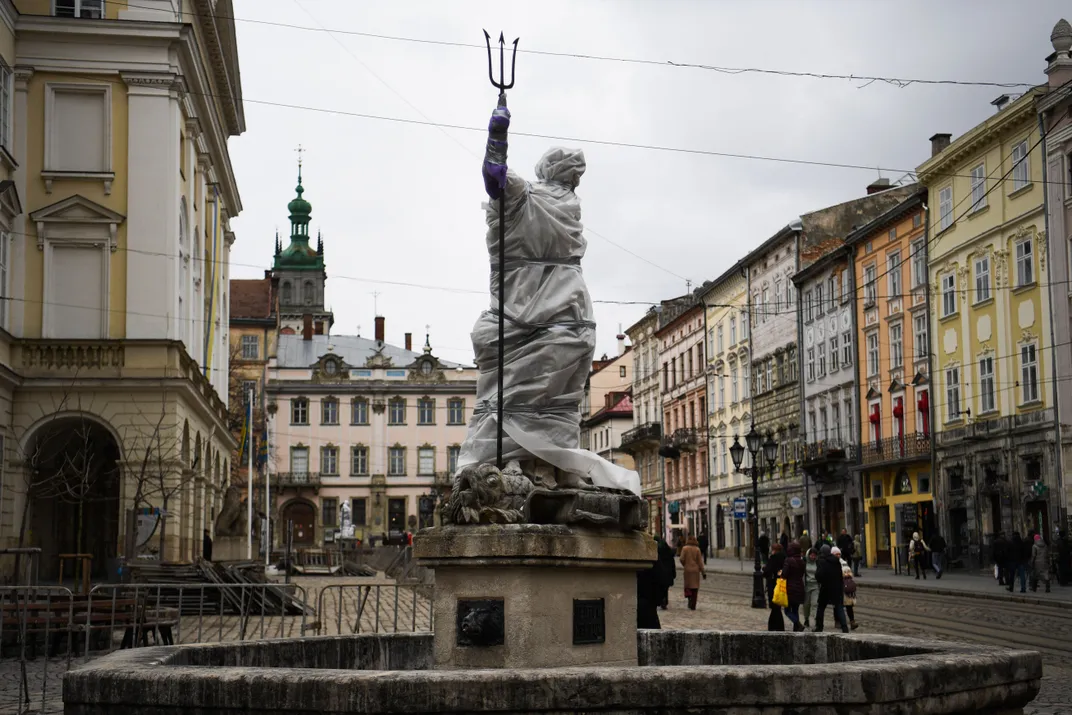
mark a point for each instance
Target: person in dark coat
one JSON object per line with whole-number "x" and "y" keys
{"x": 793, "y": 573}
{"x": 667, "y": 565}
{"x": 703, "y": 543}
{"x": 775, "y": 622}
{"x": 831, "y": 589}
{"x": 206, "y": 546}
{"x": 764, "y": 546}
{"x": 844, "y": 542}
{"x": 999, "y": 551}
{"x": 649, "y": 593}
{"x": 784, "y": 541}
{"x": 938, "y": 554}
{"x": 1015, "y": 563}
{"x": 1064, "y": 559}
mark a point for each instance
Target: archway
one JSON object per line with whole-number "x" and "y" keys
{"x": 73, "y": 481}
{"x": 303, "y": 514}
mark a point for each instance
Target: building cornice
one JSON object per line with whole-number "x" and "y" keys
{"x": 9, "y": 14}
{"x": 462, "y": 388}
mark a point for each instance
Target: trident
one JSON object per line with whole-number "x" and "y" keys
{"x": 502, "y": 86}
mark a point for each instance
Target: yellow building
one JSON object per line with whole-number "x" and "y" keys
{"x": 990, "y": 327}
{"x": 114, "y": 121}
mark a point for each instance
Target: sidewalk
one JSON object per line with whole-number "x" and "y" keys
{"x": 953, "y": 583}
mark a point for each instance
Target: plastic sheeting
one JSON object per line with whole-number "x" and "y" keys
{"x": 550, "y": 336}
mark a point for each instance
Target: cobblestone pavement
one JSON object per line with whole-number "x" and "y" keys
{"x": 724, "y": 605}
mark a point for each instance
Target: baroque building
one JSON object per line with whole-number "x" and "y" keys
{"x": 115, "y": 203}
{"x": 643, "y": 440}
{"x": 607, "y": 406}
{"x": 994, "y": 415}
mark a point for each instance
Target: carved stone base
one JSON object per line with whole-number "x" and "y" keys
{"x": 612, "y": 509}
{"x": 534, "y": 595}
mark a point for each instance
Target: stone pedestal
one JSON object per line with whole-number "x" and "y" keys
{"x": 234, "y": 548}
{"x": 534, "y": 596}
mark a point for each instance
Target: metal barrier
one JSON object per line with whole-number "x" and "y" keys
{"x": 33, "y": 617}
{"x": 347, "y": 609}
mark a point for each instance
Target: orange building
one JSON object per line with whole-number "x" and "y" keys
{"x": 889, "y": 257}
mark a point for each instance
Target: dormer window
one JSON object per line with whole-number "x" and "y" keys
{"x": 91, "y": 9}
{"x": 331, "y": 367}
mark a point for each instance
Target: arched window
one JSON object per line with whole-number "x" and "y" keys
{"x": 308, "y": 293}
{"x": 287, "y": 293}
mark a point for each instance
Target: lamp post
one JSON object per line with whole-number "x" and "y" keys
{"x": 754, "y": 440}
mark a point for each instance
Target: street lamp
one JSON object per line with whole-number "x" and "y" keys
{"x": 755, "y": 443}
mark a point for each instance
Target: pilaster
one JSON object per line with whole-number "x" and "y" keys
{"x": 19, "y": 121}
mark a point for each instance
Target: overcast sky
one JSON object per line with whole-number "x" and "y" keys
{"x": 400, "y": 203}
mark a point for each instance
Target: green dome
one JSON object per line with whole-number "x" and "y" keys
{"x": 299, "y": 208}
{"x": 299, "y": 255}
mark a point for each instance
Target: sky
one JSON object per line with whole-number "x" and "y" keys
{"x": 398, "y": 200}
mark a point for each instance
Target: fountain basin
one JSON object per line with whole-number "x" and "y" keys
{"x": 679, "y": 672}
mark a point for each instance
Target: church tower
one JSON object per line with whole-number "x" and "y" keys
{"x": 298, "y": 273}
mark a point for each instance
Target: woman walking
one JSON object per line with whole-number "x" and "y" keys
{"x": 1040, "y": 563}
{"x": 775, "y": 622}
{"x": 917, "y": 550}
{"x": 692, "y": 564}
{"x": 850, "y": 588}
{"x": 811, "y": 586}
{"x": 793, "y": 573}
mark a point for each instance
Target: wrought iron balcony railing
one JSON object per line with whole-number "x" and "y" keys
{"x": 298, "y": 479}
{"x": 891, "y": 449}
{"x": 686, "y": 439}
{"x": 833, "y": 448}
{"x": 645, "y": 435}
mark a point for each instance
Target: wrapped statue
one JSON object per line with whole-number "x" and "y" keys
{"x": 346, "y": 522}
{"x": 550, "y": 335}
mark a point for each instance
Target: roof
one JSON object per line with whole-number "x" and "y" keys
{"x": 623, "y": 408}
{"x": 834, "y": 223}
{"x": 603, "y": 364}
{"x": 252, "y": 298}
{"x": 294, "y": 352}
{"x": 895, "y": 213}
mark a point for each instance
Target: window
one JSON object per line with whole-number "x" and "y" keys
{"x": 986, "y": 384}
{"x": 949, "y": 294}
{"x": 725, "y": 462}
{"x": 945, "y": 208}
{"x": 78, "y": 133}
{"x": 426, "y": 411}
{"x": 286, "y": 298}
{"x": 872, "y": 354}
{"x": 452, "y": 459}
{"x": 92, "y": 9}
{"x": 919, "y": 263}
{"x": 455, "y": 411}
{"x": 733, "y": 330}
{"x": 621, "y": 371}
{"x": 766, "y": 302}
{"x": 721, "y": 393}
{"x": 359, "y": 411}
{"x": 835, "y": 419}
{"x": 329, "y": 460}
{"x": 249, "y": 347}
{"x": 5, "y": 290}
{"x": 299, "y": 411}
{"x": 813, "y": 429}
{"x": 811, "y": 364}
{"x": 846, "y": 349}
{"x": 834, "y": 353}
{"x": 396, "y": 461}
{"x": 329, "y": 509}
{"x": 790, "y": 294}
{"x": 359, "y": 511}
{"x": 721, "y": 347}
{"x": 770, "y": 374}
{"x": 896, "y": 346}
{"x": 821, "y": 352}
{"x": 893, "y": 262}
{"x": 869, "y": 286}
{"x": 982, "y": 279}
{"x": 820, "y": 305}
{"x": 6, "y": 79}
{"x": 922, "y": 339}
{"x": 746, "y": 383}
{"x": 396, "y": 413}
{"x": 426, "y": 461}
{"x": 809, "y": 313}
{"x": 733, "y": 385}
{"x": 1029, "y": 373}
{"x": 978, "y": 187}
{"x": 1021, "y": 167}
{"x": 923, "y": 412}
{"x": 952, "y": 393}
{"x": 848, "y": 416}
{"x": 329, "y": 411}
{"x": 757, "y": 308}
{"x": 744, "y": 325}
{"x": 824, "y": 426}
{"x": 359, "y": 461}
{"x": 1025, "y": 264}
{"x": 299, "y": 460}
{"x": 831, "y": 294}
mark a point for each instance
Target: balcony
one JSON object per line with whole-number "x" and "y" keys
{"x": 645, "y": 436}
{"x": 910, "y": 448}
{"x": 827, "y": 458}
{"x": 282, "y": 480}
{"x": 686, "y": 439}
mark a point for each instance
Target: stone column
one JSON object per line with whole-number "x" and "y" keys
{"x": 19, "y": 121}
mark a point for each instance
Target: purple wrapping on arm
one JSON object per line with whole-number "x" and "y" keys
{"x": 494, "y": 179}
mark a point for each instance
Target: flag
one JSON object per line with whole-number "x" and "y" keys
{"x": 244, "y": 437}
{"x": 262, "y": 448}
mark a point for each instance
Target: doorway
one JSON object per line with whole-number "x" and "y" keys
{"x": 303, "y": 514}
{"x": 396, "y": 514}
{"x": 880, "y": 519}
{"x": 1038, "y": 518}
{"x": 996, "y": 527}
{"x": 958, "y": 533}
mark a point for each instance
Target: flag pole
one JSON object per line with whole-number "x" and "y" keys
{"x": 249, "y": 499}
{"x": 267, "y": 494}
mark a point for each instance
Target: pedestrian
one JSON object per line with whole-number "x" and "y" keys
{"x": 844, "y": 542}
{"x": 938, "y": 554}
{"x": 784, "y": 541}
{"x": 667, "y": 564}
{"x": 999, "y": 554}
{"x": 805, "y": 542}
{"x": 206, "y": 546}
{"x": 831, "y": 589}
{"x": 649, "y": 591}
{"x": 1064, "y": 558}
{"x": 849, "y": 587}
{"x": 857, "y": 555}
{"x": 1016, "y": 563}
{"x": 775, "y": 622}
{"x": 811, "y": 586}
{"x": 764, "y": 546}
{"x": 793, "y": 573}
{"x": 1040, "y": 563}
{"x": 693, "y": 566}
{"x": 917, "y": 552}
{"x": 703, "y": 543}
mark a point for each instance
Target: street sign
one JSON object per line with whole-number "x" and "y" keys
{"x": 740, "y": 508}
{"x": 795, "y": 502}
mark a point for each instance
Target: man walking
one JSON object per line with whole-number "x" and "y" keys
{"x": 938, "y": 554}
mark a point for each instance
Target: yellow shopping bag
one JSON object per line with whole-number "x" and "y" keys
{"x": 781, "y": 594}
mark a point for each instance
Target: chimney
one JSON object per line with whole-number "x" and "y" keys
{"x": 1001, "y": 101}
{"x": 318, "y": 327}
{"x": 621, "y": 345}
{"x": 379, "y": 328}
{"x": 939, "y": 142}
{"x": 307, "y": 327}
{"x": 409, "y": 342}
{"x": 878, "y": 185}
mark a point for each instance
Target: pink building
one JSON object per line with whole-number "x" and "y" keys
{"x": 365, "y": 423}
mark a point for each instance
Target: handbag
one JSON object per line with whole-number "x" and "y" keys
{"x": 781, "y": 592}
